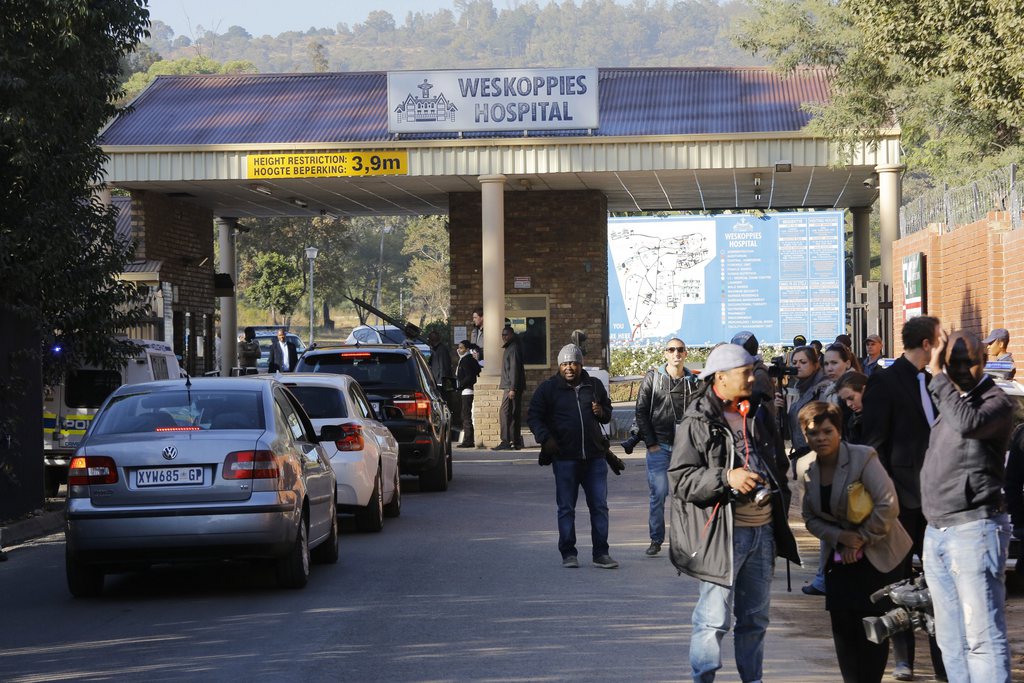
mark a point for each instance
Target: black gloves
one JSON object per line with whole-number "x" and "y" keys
{"x": 548, "y": 450}
{"x": 614, "y": 462}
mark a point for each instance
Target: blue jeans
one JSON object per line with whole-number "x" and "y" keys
{"x": 657, "y": 481}
{"x": 592, "y": 475}
{"x": 750, "y": 598}
{"x": 964, "y": 566}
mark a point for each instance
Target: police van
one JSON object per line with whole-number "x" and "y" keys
{"x": 68, "y": 407}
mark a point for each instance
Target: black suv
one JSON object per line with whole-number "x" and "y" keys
{"x": 397, "y": 376}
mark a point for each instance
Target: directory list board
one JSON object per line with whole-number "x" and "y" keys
{"x": 704, "y": 278}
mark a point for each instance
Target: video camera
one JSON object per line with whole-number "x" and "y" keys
{"x": 913, "y": 610}
{"x": 632, "y": 440}
{"x": 778, "y": 369}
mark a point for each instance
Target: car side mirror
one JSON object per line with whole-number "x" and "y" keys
{"x": 391, "y": 413}
{"x": 332, "y": 433}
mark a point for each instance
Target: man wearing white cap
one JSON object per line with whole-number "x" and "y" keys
{"x": 729, "y": 507}
{"x": 565, "y": 416}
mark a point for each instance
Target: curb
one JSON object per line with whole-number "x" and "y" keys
{"x": 40, "y": 524}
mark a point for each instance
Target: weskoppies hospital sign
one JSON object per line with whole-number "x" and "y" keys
{"x": 492, "y": 100}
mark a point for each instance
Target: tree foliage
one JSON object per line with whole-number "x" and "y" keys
{"x": 60, "y": 68}
{"x": 429, "y": 271}
{"x": 950, "y": 74}
{"x": 273, "y": 282}
{"x": 182, "y": 67}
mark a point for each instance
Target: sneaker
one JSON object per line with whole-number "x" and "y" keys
{"x": 605, "y": 562}
{"x": 570, "y": 562}
{"x": 653, "y": 549}
{"x": 902, "y": 672}
{"x": 503, "y": 446}
{"x": 811, "y": 589}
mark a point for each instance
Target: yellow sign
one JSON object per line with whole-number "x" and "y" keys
{"x": 326, "y": 165}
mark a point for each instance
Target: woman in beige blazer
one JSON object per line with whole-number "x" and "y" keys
{"x": 863, "y": 557}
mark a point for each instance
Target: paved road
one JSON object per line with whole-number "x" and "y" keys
{"x": 466, "y": 585}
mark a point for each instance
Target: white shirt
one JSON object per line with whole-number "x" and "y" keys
{"x": 284, "y": 355}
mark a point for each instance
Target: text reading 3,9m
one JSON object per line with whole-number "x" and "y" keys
{"x": 327, "y": 165}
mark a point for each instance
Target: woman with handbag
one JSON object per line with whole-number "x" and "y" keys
{"x": 850, "y": 504}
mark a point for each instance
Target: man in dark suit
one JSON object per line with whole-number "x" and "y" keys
{"x": 283, "y": 355}
{"x": 897, "y": 418}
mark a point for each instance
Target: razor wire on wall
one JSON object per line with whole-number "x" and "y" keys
{"x": 952, "y": 207}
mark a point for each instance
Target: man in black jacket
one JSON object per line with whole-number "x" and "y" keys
{"x": 565, "y": 416}
{"x": 283, "y": 354}
{"x": 729, "y": 515}
{"x": 968, "y": 534}
{"x": 513, "y": 381}
{"x": 664, "y": 394}
{"x": 896, "y": 421}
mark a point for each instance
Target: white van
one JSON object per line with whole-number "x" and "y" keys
{"x": 68, "y": 408}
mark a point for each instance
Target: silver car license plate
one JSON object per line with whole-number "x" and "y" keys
{"x": 170, "y": 476}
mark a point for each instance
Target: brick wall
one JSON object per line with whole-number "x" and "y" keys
{"x": 559, "y": 240}
{"x": 969, "y": 277}
{"x": 180, "y": 234}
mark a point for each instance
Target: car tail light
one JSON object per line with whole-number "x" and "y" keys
{"x": 178, "y": 429}
{"x": 251, "y": 465}
{"x": 356, "y": 354}
{"x": 91, "y": 470}
{"x": 417, "y": 407}
{"x": 352, "y": 439}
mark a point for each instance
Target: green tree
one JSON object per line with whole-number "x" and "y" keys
{"x": 318, "y": 57}
{"x": 182, "y": 67}
{"x": 59, "y": 78}
{"x": 273, "y": 282}
{"x": 950, "y": 74}
{"x": 427, "y": 242}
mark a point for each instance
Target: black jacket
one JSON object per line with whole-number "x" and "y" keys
{"x": 440, "y": 363}
{"x": 962, "y": 476}
{"x": 277, "y": 358}
{"x": 513, "y": 374}
{"x": 1015, "y": 481}
{"x": 660, "y": 406}
{"x": 703, "y": 452}
{"x": 560, "y": 410}
{"x": 894, "y": 424}
{"x": 466, "y": 372}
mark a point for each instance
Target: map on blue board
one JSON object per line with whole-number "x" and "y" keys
{"x": 704, "y": 278}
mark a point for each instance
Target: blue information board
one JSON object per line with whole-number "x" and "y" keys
{"x": 704, "y": 278}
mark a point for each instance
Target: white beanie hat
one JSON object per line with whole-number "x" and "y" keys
{"x": 570, "y": 353}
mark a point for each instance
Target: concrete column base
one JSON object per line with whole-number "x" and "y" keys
{"x": 486, "y": 404}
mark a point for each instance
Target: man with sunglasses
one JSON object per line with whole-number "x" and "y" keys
{"x": 664, "y": 394}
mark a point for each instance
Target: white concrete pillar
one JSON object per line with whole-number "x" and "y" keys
{"x": 890, "y": 196}
{"x": 228, "y": 304}
{"x": 492, "y": 190}
{"x": 862, "y": 241}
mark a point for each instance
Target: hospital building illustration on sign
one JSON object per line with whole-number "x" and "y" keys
{"x": 425, "y": 108}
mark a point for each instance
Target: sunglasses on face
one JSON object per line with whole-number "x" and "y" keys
{"x": 675, "y": 349}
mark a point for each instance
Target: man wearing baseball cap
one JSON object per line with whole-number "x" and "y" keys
{"x": 565, "y": 416}
{"x": 729, "y": 509}
{"x": 873, "y": 349}
{"x": 997, "y": 341}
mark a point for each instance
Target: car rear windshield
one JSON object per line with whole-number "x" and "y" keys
{"x": 371, "y": 369}
{"x": 181, "y": 411}
{"x": 320, "y": 402}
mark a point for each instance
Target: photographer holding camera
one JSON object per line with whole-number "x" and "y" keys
{"x": 729, "y": 515}
{"x": 864, "y": 555}
{"x": 664, "y": 394}
{"x": 968, "y": 532}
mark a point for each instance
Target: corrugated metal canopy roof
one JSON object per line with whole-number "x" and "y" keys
{"x": 204, "y": 110}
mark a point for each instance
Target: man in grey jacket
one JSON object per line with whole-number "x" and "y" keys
{"x": 660, "y": 404}
{"x": 968, "y": 532}
{"x": 729, "y": 515}
{"x": 513, "y": 382}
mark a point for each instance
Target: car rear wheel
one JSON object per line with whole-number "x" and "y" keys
{"x": 84, "y": 581}
{"x": 327, "y": 552}
{"x": 448, "y": 459}
{"x": 371, "y": 517}
{"x": 394, "y": 508}
{"x": 437, "y": 478}
{"x": 293, "y": 568}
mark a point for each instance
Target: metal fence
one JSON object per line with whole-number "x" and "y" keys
{"x": 953, "y": 207}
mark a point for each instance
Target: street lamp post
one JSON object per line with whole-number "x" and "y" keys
{"x": 311, "y": 253}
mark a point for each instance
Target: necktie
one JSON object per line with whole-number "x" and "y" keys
{"x": 926, "y": 400}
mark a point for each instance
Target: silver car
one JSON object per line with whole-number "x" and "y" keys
{"x": 186, "y": 470}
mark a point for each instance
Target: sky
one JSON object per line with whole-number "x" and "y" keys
{"x": 271, "y": 17}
